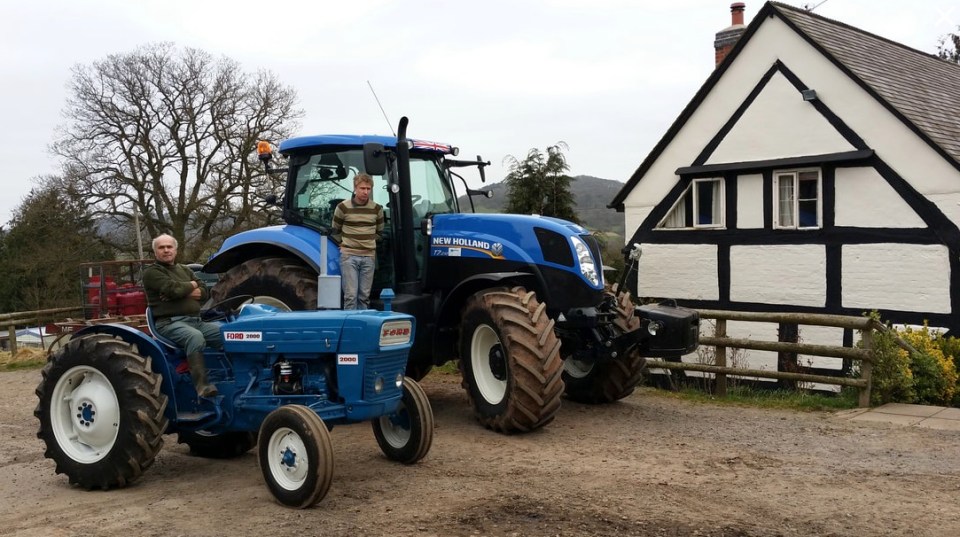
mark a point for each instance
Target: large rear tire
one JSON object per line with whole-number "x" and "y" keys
{"x": 606, "y": 382}
{"x": 406, "y": 435}
{"x": 510, "y": 360}
{"x": 296, "y": 456}
{"x": 218, "y": 446}
{"x": 101, "y": 412}
{"x": 277, "y": 281}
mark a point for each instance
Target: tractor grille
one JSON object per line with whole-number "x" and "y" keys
{"x": 386, "y": 365}
{"x": 555, "y": 247}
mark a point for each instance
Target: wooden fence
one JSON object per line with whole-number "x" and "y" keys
{"x": 36, "y": 318}
{"x": 721, "y": 343}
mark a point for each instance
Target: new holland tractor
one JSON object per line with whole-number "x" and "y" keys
{"x": 519, "y": 300}
{"x": 284, "y": 379}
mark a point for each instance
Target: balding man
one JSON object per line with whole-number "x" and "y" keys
{"x": 174, "y": 294}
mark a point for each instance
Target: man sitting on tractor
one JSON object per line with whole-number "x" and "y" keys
{"x": 174, "y": 295}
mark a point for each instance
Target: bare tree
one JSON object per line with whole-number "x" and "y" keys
{"x": 948, "y": 47}
{"x": 171, "y": 134}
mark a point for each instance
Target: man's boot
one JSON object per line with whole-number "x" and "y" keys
{"x": 198, "y": 372}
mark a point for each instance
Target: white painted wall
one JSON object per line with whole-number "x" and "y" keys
{"x": 682, "y": 271}
{"x": 773, "y": 274}
{"x": 750, "y": 201}
{"x": 778, "y": 124}
{"x": 865, "y": 199}
{"x": 896, "y": 276}
{"x": 765, "y": 360}
{"x": 821, "y": 335}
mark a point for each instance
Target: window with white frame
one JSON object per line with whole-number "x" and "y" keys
{"x": 700, "y": 206}
{"x": 796, "y": 199}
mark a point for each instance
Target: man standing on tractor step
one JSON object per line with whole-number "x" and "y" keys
{"x": 174, "y": 295}
{"x": 357, "y": 226}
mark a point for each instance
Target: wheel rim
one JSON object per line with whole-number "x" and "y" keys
{"x": 396, "y": 428}
{"x": 85, "y": 414}
{"x": 288, "y": 459}
{"x": 272, "y": 301}
{"x": 489, "y": 364}
{"x": 577, "y": 369}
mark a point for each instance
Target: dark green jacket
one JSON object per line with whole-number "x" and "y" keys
{"x": 168, "y": 290}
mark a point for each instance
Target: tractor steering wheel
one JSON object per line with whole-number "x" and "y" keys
{"x": 226, "y": 308}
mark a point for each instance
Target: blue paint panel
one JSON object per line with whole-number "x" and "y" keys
{"x": 510, "y": 237}
{"x": 294, "y": 238}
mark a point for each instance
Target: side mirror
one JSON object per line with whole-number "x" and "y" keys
{"x": 374, "y": 158}
{"x": 485, "y": 193}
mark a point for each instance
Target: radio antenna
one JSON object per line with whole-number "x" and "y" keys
{"x": 389, "y": 125}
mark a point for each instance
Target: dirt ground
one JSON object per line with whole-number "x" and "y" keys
{"x": 647, "y": 466}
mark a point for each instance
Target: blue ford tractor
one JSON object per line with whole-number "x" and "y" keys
{"x": 284, "y": 379}
{"x": 519, "y": 300}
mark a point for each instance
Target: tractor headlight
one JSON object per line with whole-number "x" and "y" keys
{"x": 378, "y": 385}
{"x": 399, "y": 380}
{"x": 395, "y": 333}
{"x": 587, "y": 265}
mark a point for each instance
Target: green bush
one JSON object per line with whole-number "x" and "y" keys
{"x": 927, "y": 376}
{"x": 934, "y": 374}
{"x": 892, "y": 377}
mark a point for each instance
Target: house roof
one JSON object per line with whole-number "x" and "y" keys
{"x": 919, "y": 88}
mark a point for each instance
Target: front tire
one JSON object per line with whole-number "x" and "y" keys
{"x": 606, "y": 382}
{"x": 277, "y": 281}
{"x": 406, "y": 435}
{"x": 510, "y": 360}
{"x": 296, "y": 456}
{"x": 101, "y": 412}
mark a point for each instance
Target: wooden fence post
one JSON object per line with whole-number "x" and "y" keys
{"x": 866, "y": 367}
{"x": 12, "y": 330}
{"x": 720, "y": 379}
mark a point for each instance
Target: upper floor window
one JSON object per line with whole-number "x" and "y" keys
{"x": 700, "y": 206}
{"x": 796, "y": 199}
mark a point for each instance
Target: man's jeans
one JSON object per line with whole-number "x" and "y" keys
{"x": 356, "y": 274}
{"x": 190, "y": 333}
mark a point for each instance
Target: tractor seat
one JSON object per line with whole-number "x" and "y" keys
{"x": 156, "y": 334}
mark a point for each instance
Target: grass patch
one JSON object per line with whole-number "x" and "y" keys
{"x": 762, "y": 398}
{"x": 26, "y": 358}
{"x": 24, "y": 364}
{"x": 449, "y": 368}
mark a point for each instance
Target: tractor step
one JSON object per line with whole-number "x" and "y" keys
{"x": 196, "y": 416}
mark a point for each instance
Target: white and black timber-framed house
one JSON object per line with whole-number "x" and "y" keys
{"x": 816, "y": 170}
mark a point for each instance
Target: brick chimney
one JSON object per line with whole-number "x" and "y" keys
{"x": 728, "y": 37}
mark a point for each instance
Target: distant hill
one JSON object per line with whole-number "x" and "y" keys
{"x": 591, "y": 195}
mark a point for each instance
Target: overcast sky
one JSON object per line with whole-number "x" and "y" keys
{"x": 494, "y": 78}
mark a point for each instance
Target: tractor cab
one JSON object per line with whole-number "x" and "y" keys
{"x": 321, "y": 174}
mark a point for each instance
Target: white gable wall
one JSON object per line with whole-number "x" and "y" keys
{"x": 864, "y": 199}
{"x": 912, "y": 158}
{"x": 779, "y": 123}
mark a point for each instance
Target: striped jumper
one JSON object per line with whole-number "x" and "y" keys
{"x": 358, "y": 227}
